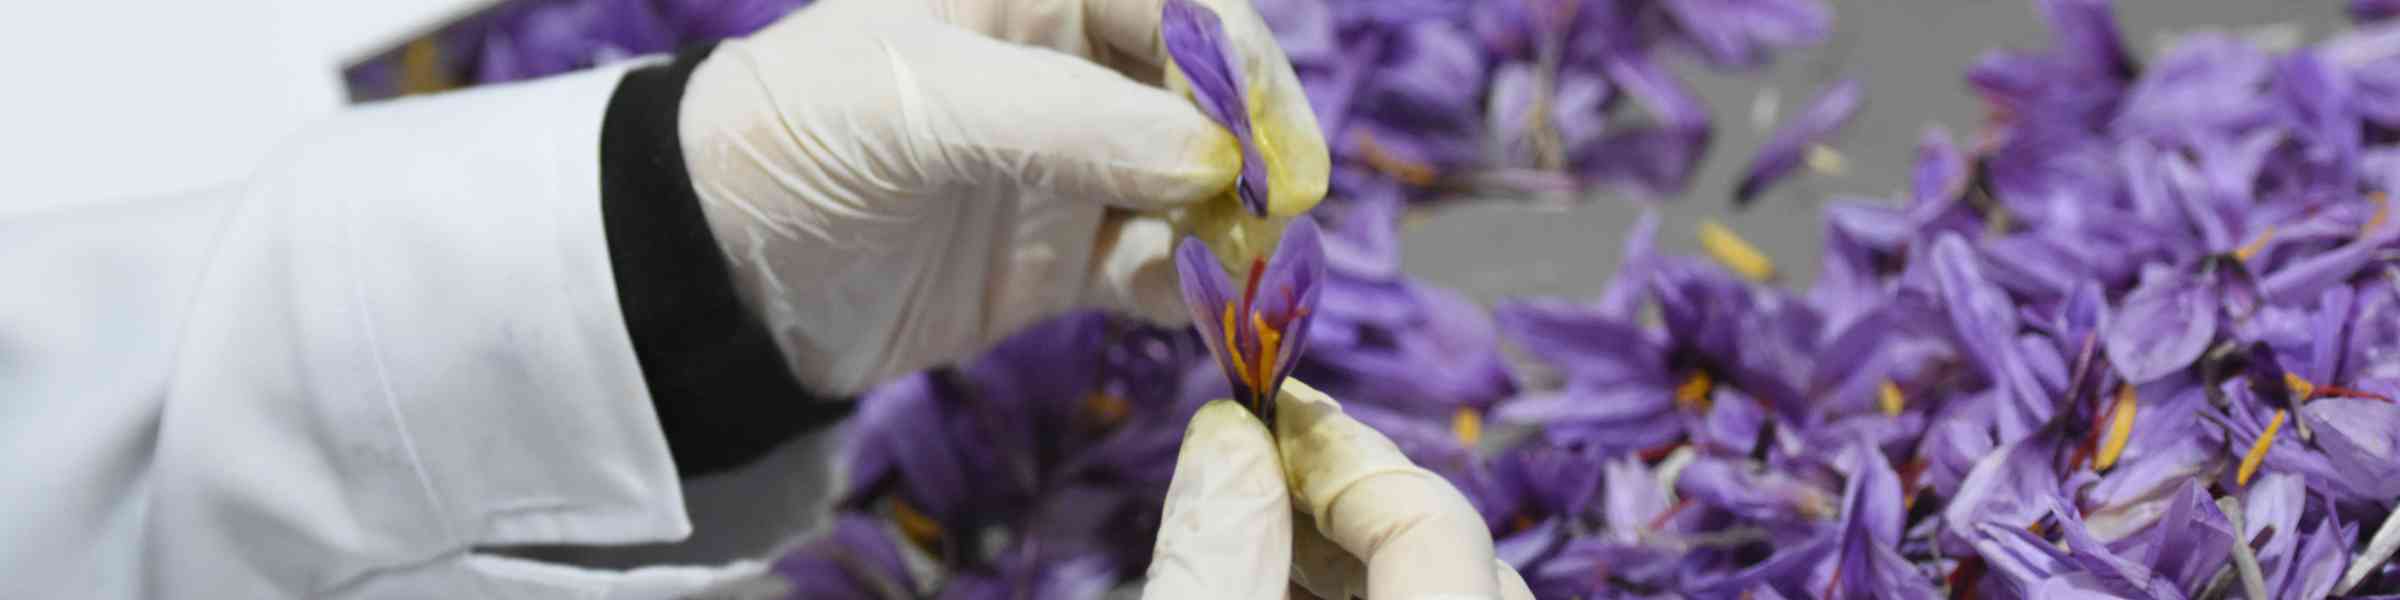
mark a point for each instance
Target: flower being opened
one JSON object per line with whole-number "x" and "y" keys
{"x": 1284, "y": 169}
{"x": 1258, "y": 330}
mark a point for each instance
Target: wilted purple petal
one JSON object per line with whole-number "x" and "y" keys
{"x": 2011, "y": 487}
{"x": 2163, "y": 327}
{"x": 856, "y": 559}
{"x": 2321, "y": 559}
{"x": 1754, "y": 494}
{"x": 1195, "y": 42}
{"x": 1426, "y": 68}
{"x": 1580, "y": 405}
{"x": 2361, "y": 437}
{"x": 2303, "y": 278}
{"x": 1206, "y": 291}
{"x": 1581, "y": 343}
{"x": 2274, "y": 501}
{"x": 1736, "y": 33}
{"x": 2018, "y": 557}
{"x": 1289, "y": 289}
{"x": 1824, "y": 116}
{"x": 1983, "y": 323}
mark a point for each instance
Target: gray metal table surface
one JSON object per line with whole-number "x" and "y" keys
{"x": 1911, "y": 56}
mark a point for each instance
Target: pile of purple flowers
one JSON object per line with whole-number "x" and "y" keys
{"x": 2138, "y": 339}
{"x": 526, "y": 39}
{"x": 2138, "y": 336}
{"x": 2141, "y": 340}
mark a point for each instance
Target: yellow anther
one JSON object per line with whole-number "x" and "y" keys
{"x": 1268, "y": 340}
{"x": 1233, "y": 347}
{"x": 1467, "y": 425}
{"x": 422, "y": 70}
{"x": 1106, "y": 408}
{"x": 2383, "y": 211}
{"x": 2301, "y": 388}
{"x": 2251, "y": 249}
{"x": 1692, "y": 394}
{"x": 915, "y": 525}
{"x": 2258, "y": 450}
{"x": 1888, "y": 394}
{"x": 1826, "y": 160}
{"x": 1407, "y": 171}
{"x": 1734, "y": 252}
{"x": 2120, "y": 429}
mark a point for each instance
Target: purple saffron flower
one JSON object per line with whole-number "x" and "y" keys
{"x": 1755, "y": 494}
{"x": 1027, "y": 572}
{"x": 854, "y": 560}
{"x": 1638, "y": 543}
{"x": 2011, "y": 487}
{"x": 1195, "y": 41}
{"x": 1824, "y": 116}
{"x": 1258, "y": 332}
{"x": 2365, "y": 11}
{"x": 1872, "y": 515}
{"x": 1738, "y": 33}
{"x": 1618, "y": 391}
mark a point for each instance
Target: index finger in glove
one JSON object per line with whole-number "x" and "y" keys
{"x": 1418, "y": 536}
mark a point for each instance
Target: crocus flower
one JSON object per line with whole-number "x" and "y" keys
{"x": 855, "y": 559}
{"x": 1196, "y": 44}
{"x": 1824, "y": 115}
{"x": 1258, "y": 331}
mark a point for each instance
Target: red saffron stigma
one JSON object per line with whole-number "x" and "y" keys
{"x": 1660, "y": 522}
{"x": 2335, "y": 391}
{"x": 1258, "y": 268}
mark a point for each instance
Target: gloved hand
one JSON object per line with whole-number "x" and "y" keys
{"x": 899, "y": 183}
{"x": 1370, "y": 524}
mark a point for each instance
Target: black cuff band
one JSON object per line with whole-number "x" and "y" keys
{"x": 716, "y": 378}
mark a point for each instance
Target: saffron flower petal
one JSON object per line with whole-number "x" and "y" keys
{"x": 1196, "y": 43}
{"x": 1783, "y": 151}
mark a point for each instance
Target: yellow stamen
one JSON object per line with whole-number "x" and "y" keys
{"x": 422, "y": 70}
{"x": 1467, "y": 425}
{"x": 2383, "y": 211}
{"x": 2251, "y": 249}
{"x": 1106, "y": 408}
{"x": 1268, "y": 341}
{"x": 1407, "y": 171}
{"x": 1824, "y": 159}
{"x": 1734, "y": 252}
{"x": 1888, "y": 394}
{"x": 1233, "y": 346}
{"x": 1692, "y": 395}
{"x": 2258, "y": 450}
{"x": 915, "y": 525}
{"x": 2120, "y": 429}
{"x": 2301, "y": 388}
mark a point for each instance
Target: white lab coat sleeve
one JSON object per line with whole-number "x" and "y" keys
{"x": 90, "y": 299}
{"x": 405, "y": 347}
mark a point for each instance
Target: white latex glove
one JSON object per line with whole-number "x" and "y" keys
{"x": 1371, "y": 523}
{"x": 900, "y": 183}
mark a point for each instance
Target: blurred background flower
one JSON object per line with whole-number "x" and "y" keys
{"x": 2135, "y": 333}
